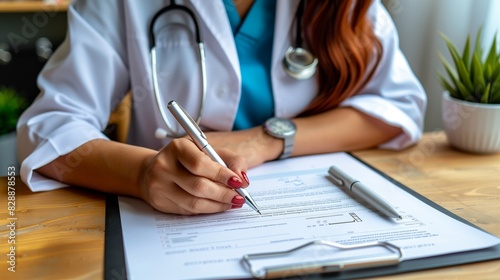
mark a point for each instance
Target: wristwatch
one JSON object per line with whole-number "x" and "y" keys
{"x": 283, "y": 129}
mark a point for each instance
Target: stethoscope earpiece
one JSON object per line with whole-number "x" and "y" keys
{"x": 299, "y": 63}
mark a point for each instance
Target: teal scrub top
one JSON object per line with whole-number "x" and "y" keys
{"x": 254, "y": 41}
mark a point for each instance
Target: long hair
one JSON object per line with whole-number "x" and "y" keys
{"x": 340, "y": 34}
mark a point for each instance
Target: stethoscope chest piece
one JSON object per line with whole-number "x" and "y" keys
{"x": 299, "y": 63}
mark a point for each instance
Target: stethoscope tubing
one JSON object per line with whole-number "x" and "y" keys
{"x": 170, "y": 132}
{"x": 295, "y": 69}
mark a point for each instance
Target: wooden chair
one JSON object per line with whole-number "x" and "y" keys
{"x": 119, "y": 121}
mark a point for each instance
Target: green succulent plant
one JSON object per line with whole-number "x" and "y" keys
{"x": 472, "y": 77}
{"x": 11, "y": 107}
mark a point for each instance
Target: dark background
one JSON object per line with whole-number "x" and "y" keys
{"x": 19, "y": 34}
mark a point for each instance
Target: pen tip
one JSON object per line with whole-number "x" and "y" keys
{"x": 259, "y": 212}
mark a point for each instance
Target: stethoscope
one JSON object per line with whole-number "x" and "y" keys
{"x": 298, "y": 63}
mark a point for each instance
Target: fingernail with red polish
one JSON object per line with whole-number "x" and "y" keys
{"x": 238, "y": 199}
{"x": 244, "y": 174}
{"x": 235, "y": 182}
{"x": 236, "y": 206}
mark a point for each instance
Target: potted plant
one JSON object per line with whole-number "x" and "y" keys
{"x": 471, "y": 101}
{"x": 11, "y": 107}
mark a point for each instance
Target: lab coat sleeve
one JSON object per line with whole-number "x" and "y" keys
{"x": 393, "y": 95}
{"x": 81, "y": 83}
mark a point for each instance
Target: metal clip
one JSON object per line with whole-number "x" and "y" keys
{"x": 325, "y": 265}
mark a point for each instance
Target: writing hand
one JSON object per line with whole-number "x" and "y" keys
{"x": 181, "y": 179}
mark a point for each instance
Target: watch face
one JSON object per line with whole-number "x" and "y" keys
{"x": 280, "y": 127}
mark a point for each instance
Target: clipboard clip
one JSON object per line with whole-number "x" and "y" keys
{"x": 322, "y": 266}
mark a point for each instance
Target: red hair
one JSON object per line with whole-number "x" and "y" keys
{"x": 340, "y": 34}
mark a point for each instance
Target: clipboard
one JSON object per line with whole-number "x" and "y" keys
{"x": 114, "y": 267}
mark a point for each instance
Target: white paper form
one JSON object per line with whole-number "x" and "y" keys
{"x": 298, "y": 204}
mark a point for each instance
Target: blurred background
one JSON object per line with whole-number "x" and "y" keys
{"x": 419, "y": 23}
{"x": 31, "y": 30}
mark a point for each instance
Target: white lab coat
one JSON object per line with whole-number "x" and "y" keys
{"x": 107, "y": 54}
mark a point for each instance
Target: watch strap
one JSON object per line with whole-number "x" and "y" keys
{"x": 288, "y": 147}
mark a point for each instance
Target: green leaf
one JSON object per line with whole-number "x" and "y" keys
{"x": 466, "y": 94}
{"x": 495, "y": 71}
{"x": 477, "y": 48}
{"x": 477, "y": 74}
{"x": 487, "y": 74}
{"x": 495, "y": 91}
{"x": 466, "y": 52}
{"x": 486, "y": 94}
{"x": 447, "y": 86}
{"x": 492, "y": 55}
{"x": 449, "y": 68}
{"x": 463, "y": 73}
{"x": 477, "y": 77}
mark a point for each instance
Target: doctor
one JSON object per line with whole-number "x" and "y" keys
{"x": 361, "y": 94}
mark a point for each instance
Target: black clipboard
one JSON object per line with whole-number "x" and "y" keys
{"x": 114, "y": 258}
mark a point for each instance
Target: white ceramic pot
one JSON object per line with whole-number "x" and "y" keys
{"x": 8, "y": 152}
{"x": 472, "y": 127}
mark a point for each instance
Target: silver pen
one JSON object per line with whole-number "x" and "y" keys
{"x": 363, "y": 192}
{"x": 199, "y": 138}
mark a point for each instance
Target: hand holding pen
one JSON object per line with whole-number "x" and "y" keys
{"x": 179, "y": 179}
{"x": 201, "y": 141}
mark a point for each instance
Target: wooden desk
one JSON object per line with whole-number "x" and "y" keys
{"x": 60, "y": 234}
{"x": 33, "y": 6}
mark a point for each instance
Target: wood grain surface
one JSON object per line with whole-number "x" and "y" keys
{"x": 60, "y": 234}
{"x": 466, "y": 184}
{"x": 33, "y": 6}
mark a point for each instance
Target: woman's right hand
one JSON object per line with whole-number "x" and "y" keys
{"x": 181, "y": 179}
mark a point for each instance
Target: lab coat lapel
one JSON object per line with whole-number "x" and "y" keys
{"x": 214, "y": 17}
{"x": 283, "y": 34}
